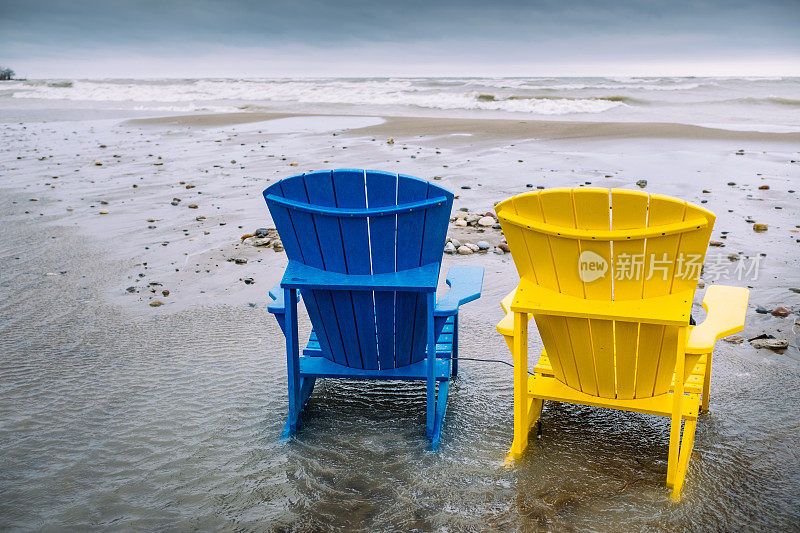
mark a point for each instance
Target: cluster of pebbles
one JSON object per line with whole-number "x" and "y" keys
{"x": 479, "y": 223}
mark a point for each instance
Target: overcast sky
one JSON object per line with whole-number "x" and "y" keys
{"x": 193, "y": 38}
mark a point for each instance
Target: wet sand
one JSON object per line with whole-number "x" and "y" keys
{"x": 117, "y": 414}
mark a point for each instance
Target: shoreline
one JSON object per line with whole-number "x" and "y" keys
{"x": 489, "y": 127}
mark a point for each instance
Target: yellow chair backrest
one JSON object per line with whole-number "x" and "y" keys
{"x": 608, "y": 245}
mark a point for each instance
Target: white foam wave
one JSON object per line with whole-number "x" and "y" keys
{"x": 203, "y": 94}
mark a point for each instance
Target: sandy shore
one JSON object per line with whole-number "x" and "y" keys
{"x": 100, "y": 217}
{"x": 496, "y": 128}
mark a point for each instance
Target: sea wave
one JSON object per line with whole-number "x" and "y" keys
{"x": 199, "y": 93}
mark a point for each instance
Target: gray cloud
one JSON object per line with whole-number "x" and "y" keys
{"x": 501, "y": 30}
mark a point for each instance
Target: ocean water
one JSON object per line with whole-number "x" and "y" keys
{"x": 751, "y": 103}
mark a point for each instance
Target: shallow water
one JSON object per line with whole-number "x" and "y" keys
{"x": 111, "y": 419}
{"x": 115, "y": 415}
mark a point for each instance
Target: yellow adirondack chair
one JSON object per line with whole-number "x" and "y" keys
{"x": 609, "y": 277}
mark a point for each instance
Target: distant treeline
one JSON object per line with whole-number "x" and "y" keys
{"x": 6, "y": 73}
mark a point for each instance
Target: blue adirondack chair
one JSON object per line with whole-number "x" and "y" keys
{"x": 364, "y": 250}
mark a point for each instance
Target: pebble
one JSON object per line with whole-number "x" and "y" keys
{"x": 762, "y": 310}
{"x": 261, "y": 232}
{"x": 103, "y": 212}
{"x": 449, "y": 248}
{"x": 165, "y": 292}
{"x": 455, "y": 242}
{"x": 200, "y": 218}
{"x": 464, "y": 250}
{"x": 763, "y": 187}
{"x": 249, "y": 281}
{"x": 770, "y": 344}
{"x": 795, "y": 289}
{"x": 498, "y": 251}
{"x": 173, "y": 202}
{"x": 483, "y": 245}
{"x": 261, "y": 242}
{"x": 472, "y": 246}
{"x": 487, "y": 222}
{"x": 156, "y": 303}
{"x": 461, "y": 222}
{"x": 240, "y": 260}
{"x": 760, "y": 228}
{"x": 131, "y": 289}
{"x": 503, "y": 246}
{"x": 151, "y": 220}
{"x": 641, "y": 183}
{"x": 192, "y": 206}
{"x": 716, "y": 243}
{"x": 466, "y": 187}
{"x": 277, "y": 246}
{"x": 734, "y": 339}
{"x": 781, "y": 312}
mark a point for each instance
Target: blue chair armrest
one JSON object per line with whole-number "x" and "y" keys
{"x": 278, "y": 305}
{"x": 465, "y": 284}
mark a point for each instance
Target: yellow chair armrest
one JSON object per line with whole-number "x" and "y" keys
{"x": 506, "y": 325}
{"x": 725, "y": 311}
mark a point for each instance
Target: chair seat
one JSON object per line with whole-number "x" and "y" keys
{"x": 549, "y": 388}
{"x": 444, "y": 344}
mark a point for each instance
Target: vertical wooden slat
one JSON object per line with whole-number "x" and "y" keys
{"x": 628, "y": 211}
{"x": 650, "y": 339}
{"x": 592, "y": 212}
{"x": 666, "y": 363}
{"x": 410, "y": 319}
{"x": 382, "y": 191}
{"x": 626, "y": 338}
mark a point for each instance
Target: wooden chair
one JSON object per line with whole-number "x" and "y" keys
{"x": 609, "y": 278}
{"x": 364, "y": 250}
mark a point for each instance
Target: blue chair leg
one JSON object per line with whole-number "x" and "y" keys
{"x": 441, "y": 409}
{"x": 455, "y": 346}
{"x": 306, "y": 387}
{"x": 431, "y": 365}
{"x": 292, "y": 362}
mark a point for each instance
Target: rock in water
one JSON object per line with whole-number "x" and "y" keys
{"x": 781, "y": 312}
{"x": 449, "y": 248}
{"x": 762, "y": 310}
{"x": 156, "y": 303}
{"x": 483, "y": 245}
{"x": 165, "y": 292}
{"x": 277, "y": 246}
{"x": 503, "y": 246}
{"x": 760, "y": 228}
{"x": 641, "y": 184}
{"x": 464, "y": 250}
{"x": 461, "y": 222}
{"x": 261, "y": 232}
{"x": 486, "y": 222}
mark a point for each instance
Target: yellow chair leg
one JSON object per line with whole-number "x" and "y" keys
{"x": 677, "y": 412}
{"x": 706, "y": 385}
{"x": 520, "y": 354}
{"x": 687, "y": 443}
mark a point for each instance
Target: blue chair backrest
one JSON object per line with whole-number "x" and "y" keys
{"x": 332, "y": 224}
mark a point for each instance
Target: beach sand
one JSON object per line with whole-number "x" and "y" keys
{"x": 121, "y": 414}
